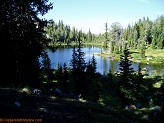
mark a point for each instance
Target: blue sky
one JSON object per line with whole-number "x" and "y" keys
{"x": 93, "y": 14}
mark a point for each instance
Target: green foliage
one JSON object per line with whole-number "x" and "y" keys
{"x": 65, "y": 73}
{"x": 59, "y": 73}
{"x": 60, "y": 33}
{"x": 142, "y": 49}
{"x": 91, "y": 67}
{"x": 105, "y": 43}
{"x": 46, "y": 71}
{"x": 78, "y": 68}
{"x": 112, "y": 101}
{"x": 95, "y": 87}
{"x": 126, "y": 80}
{"x": 111, "y": 89}
{"x": 115, "y": 40}
{"x": 144, "y": 30}
{"x": 23, "y": 37}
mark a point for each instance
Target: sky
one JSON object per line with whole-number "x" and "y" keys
{"x": 93, "y": 14}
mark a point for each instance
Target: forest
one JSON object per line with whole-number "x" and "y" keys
{"x": 144, "y": 36}
{"x": 142, "y": 33}
{"x": 76, "y": 93}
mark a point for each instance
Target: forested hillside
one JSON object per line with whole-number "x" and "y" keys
{"x": 143, "y": 33}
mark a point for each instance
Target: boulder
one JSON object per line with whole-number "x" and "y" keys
{"x": 17, "y": 104}
{"x": 57, "y": 91}
{"x": 157, "y": 108}
{"x": 130, "y": 107}
{"x": 43, "y": 110}
{"x": 26, "y": 90}
{"x": 36, "y": 92}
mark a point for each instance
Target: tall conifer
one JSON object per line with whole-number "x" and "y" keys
{"x": 126, "y": 82}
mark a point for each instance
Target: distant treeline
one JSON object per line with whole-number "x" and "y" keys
{"x": 62, "y": 33}
{"x": 138, "y": 35}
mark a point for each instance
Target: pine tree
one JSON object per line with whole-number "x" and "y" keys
{"x": 160, "y": 30}
{"x": 139, "y": 82}
{"x": 135, "y": 35}
{"x": 154, "y": 34}
{"x": 126, "y": 82}
{"x": 106, "y": 37}
{"x": 142, "y": 49}
{"x": 91, "y": 68}
{"x": 47, "y": 73}
{"x": 65, "y": 73}
{"x": 116, "y": 33}
{"x": 78, "y": 70}
{"x": 22, "y": 35}
{"x": 59, "y": 73}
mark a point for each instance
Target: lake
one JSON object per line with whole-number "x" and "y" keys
{"x": 64, "y": 55}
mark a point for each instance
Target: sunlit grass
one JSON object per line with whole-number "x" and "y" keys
{"x": 53, "y": 97}
{"x": 54, "y": 81}
{"x": 155, "y": 52}
{"x": 155, "y": 56}
{"x": 158, "y": 84}
{"x": 44, "y": 82}
{"x": 107, "y": 55}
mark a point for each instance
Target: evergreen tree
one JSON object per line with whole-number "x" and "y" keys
{"x": 78, "y": 70}
{"x": 126, "y": 82}
{"x": 91, "y": 79}
{"x": 59, "y": 73}
{"x": 154, "y": 34}
{"x": 116, "y": 33}
{"x": 91, "y": 68}
{"x": 65, "y": 73}
{"x": 160, "y": 31}
{"x": 111, "y": 82}
{"x": 22, "y": 36}
{"x": 89, "y": 36}
{"x": 139, "y": 82}
{"x": 142, "y": 49}
{"x": 106, "y": 37}
{"x": 93, "y": 64}
{"x": 47, "y": 72}
{"x": 136, "y": 35}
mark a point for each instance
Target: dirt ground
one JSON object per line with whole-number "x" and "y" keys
{"x": 55, "y": 109}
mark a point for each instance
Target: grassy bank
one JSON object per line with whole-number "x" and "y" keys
{"x": 155, "y": 56}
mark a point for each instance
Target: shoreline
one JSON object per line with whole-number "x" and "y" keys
{"x": 134, "y": 60}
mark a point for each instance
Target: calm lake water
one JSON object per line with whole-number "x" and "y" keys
{"x": 64, "y": 55}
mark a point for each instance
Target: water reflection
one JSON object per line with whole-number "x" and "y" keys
{"x": 64, "y": 55}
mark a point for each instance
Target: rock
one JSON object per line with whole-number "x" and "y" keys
{"x": 26, "y": 90}
{"x": 138, "y": 61}
{"x": 148, "y": 58}
{"x": 156, "y": 108}
{"x": 57, "y": 91}
{"x": 17, "y": 104}
{"x": 130, "y": 107}
{"x": 82, "y": 100}
{"x": 70, "y": 117}
{"x": 43, "y": 110}
{"x": 144, "y": 69}
{"x": 111, "y": 57}
{"x": 37, "y": 92}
